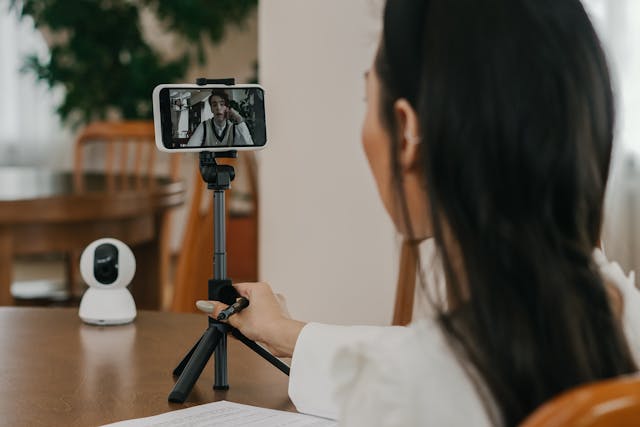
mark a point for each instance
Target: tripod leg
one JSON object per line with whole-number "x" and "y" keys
{"x": 221, "y": 380}
{"x": 178, "y": 370}
{"x": 261, "y": 351}
{"x": 196, "y": 364}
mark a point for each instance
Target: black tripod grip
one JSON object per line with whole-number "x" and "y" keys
{"x": 196, "y": 364}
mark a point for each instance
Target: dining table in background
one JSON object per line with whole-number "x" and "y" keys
{"x": 43, "y": 211}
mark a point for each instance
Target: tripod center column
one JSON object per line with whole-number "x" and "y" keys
{"x": 219, "y": 236}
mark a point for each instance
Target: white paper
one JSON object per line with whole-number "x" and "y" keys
{"x": 230, "y": 414}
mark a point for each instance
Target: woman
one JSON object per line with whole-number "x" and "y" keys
{"x": 489, "y": 127}
{"x": 227, "y": 127}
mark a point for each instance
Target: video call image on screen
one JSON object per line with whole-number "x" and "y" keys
{"x": 232, "y": 117}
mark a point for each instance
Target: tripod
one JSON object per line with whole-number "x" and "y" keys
{"x": 218, "y": 178}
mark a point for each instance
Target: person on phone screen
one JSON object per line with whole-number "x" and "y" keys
{"x": 227, "y": 127}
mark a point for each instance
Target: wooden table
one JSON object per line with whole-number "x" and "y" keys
{"x": 57, "y": 371}
{"x": 41, "y": 211}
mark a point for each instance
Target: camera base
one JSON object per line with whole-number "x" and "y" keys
{"x": 107, "y": 307}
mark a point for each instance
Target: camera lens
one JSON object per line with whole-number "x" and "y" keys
{"x": 105, "y": 264}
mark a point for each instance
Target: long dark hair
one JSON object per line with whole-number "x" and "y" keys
{"x": 516, "y": 115}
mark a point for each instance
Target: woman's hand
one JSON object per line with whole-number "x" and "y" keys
{"x": 265, "y": 320}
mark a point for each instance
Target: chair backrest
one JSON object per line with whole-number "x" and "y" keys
{"x": 125, "y": 152}
{"x": 608, "y": 403}
{"x": 406, "y": 284}
{"x": 195, "y": 266}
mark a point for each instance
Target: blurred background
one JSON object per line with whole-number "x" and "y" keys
{"x": 310, "y": 223}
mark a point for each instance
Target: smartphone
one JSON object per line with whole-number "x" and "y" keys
{"x": 209, "y": 117}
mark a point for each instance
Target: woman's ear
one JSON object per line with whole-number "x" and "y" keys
{"x": 408, "y": 134}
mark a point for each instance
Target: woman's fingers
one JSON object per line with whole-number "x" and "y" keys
{"x": 247, "y": 289}
{"x": 283, "y": 305}
{"x": 206, "y": 306}
{"x": 244, "y": 289}
{"x": 259, "y": 320}
{"x": 264, "y": 320}
{"x": 213, "y": 309}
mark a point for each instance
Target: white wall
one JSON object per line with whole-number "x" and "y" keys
{"x": 325, "y": 240}
{"x": 618, "y": 26}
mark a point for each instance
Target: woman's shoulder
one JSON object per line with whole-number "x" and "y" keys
{"x": 406, "y": 376}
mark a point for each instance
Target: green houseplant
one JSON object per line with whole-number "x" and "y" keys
{"x": 101, "y": 59}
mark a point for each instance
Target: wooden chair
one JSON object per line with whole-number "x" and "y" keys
{"x": 406, "y": 284}
{"x": 608, "y": 403}
{"x": 194, "y": 267}
{"x": 128, "y": 151}
{"x": 125, "y": 152}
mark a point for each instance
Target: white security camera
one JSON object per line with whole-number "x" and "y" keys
{"x": 107, "y": 266}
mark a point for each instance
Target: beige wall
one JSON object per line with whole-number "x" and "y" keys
{"x": 325, "y": 241}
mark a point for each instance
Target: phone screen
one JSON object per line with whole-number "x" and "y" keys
{"x": 196, "y": 117}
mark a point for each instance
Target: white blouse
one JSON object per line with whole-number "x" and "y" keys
{"x": 405, "y": 376}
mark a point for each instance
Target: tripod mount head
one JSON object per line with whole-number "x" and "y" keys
{"x": 217, "y": 177}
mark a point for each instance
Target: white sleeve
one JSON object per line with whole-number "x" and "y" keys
{"x": 406, "y": 377}
{"x": 612, "y": 273}
{"x": 243, "y": 136}
{"x": 383, "y": 376}
{"x": 196, "y": 138}
{"x": 312, "y": 385}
